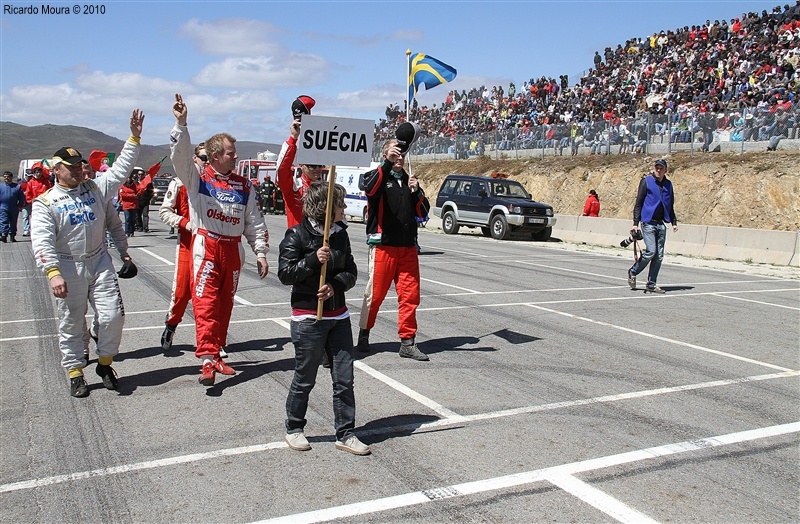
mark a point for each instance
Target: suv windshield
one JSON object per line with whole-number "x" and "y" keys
{"x": 508, "y": 188}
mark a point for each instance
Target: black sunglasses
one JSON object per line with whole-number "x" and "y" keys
{"x": 203, "y": 158}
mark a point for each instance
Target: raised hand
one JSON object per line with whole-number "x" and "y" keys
{"x": 137, "y": 119}
{"x": 179, "y": 110}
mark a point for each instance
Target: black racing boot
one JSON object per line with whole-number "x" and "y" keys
{"x": 363, "y": 340}
{"x": 78, "y": 388}
{"x": 108, "y": 375}
{"x": 166, "y": 337}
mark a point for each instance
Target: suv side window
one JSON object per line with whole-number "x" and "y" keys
{"x": 477, "y": 187}
{"x": 463, "y": 187}
{"x": 449, "y": 187}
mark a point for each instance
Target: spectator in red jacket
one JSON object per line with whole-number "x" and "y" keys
{"x": 592, "y": 206}
{"x": 129, "y": 196}
{"x": 35, "y": 186}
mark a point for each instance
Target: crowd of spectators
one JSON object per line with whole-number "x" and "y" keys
{"x": 738, "y": 77}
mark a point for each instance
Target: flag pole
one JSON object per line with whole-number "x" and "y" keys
{"x": 326, "y": 235}
{"x": 410, "y": 82}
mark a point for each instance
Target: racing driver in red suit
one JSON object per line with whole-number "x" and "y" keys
{"x": 223, "y": 207}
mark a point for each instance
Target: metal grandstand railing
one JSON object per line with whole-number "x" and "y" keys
{"x": 677, "y": 131}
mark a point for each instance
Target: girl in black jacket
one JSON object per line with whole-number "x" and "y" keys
{"x": 300, "y": 261}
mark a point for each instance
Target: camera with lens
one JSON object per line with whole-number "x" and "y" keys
{"x": 635, "y": 235}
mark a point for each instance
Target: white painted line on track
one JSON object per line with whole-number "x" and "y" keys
{"x": 157, "y": 257}
{"x": 115, "y": 470}
{"x": 755, "y": 301}
{"x": 525, "y": 262}
{"x": 663, "y": 339}
{"x": 449, "y": 285}
{"x": 530, "y": 477}
{"x": 409, "y": 428}
{"x": 29, "y": 337}
{"x": 607, "y": 399}
{"x": 14, "y": 278}
{"x": 637, "y": 296}
{"x": 384, "y": 311}
{"x": 452, "y": 416}
{"x": 242, "y": 301}
{"x": 282, "y": 322}
{"x": 394, "y": 384}
{"x": 599, "y": 499}
{"x": 468, "y": 253}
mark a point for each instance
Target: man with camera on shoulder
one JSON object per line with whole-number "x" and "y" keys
{"x": 654, "y": 207}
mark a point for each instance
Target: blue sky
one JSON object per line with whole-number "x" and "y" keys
{"x": 239, "y": 65}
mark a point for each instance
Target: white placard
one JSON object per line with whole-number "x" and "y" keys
{"x": 335, "y": 141}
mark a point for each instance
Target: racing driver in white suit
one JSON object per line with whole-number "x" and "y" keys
{"x": 223, "y": 207}
{"x": 68, "y": 230}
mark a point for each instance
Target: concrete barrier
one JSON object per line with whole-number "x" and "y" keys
{"x": 601, "y": 231}
{"x": 688, "y": 240}
{"x": 768, "y": 247}
{"x": 567, "y": 226}
{"x": 728, "y": 243}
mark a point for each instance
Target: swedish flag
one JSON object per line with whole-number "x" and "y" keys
{"x": 424, "y": 69}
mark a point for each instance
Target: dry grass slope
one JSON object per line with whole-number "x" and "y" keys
{"x": 752, "y": 190}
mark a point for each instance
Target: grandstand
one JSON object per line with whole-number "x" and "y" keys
{"x": 718, "y": 86}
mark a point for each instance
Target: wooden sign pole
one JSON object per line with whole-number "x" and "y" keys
{"x": 326, "y": 233}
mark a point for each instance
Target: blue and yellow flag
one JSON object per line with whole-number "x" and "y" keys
{"x": 424, "y": 69}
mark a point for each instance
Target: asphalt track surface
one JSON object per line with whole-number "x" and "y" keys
{"x": 554, "y": 394}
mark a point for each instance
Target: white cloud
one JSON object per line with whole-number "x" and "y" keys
{"x": 232, "y": 37}
{"x": 128, "y": 84}
{"x": 262, "y": 72}
{"x": 372, "y": 100}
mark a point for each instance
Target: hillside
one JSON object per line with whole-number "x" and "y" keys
{"x": 752, "y": 190}
{"x": 18, "y": 142}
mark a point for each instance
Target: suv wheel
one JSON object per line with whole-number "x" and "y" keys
{"x": 499, "y": 227}
{"x": 449, "y": 223}
{"x": 543, "y": 235}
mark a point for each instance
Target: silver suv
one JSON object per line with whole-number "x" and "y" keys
{"x": 497, "y": 205}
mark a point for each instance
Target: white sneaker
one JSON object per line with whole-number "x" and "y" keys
{"x": 352, "y": 445}
{"x": 222, "y": 353}
{"x": 297, "y": 441}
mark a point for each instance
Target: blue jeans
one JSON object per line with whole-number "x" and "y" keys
{"x": 26, "y": 219}
{"x": 654, "y": 234}
{"x": 130, "y": 221}
{"x": 311, "y": 338}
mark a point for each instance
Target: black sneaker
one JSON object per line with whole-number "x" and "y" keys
{"x": 363, "y": 340}
{"x": 78, "y": 388}
{"x": 108, "y": 375}
{"x": 13, "y": 238}
{"x": 3, "y": 239}
{"x": 166, "y": 337}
